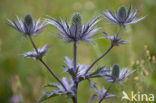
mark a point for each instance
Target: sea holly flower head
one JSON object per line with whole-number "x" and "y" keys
{"x": 117, "y": 75}
{"x": 27, "y": 26}
{"x": 122, "y": 17}
{"x": 115, "y": 40}
{"x": 37, "y": 55}
{"x": 76, "y": 30}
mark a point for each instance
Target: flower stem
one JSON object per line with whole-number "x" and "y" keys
{"x": 46, "y": 64}
{"x": 105, "y": 94}
{"x": 74, "y": 100}
{"x": 98, "y": 60}
{"x": 75, "y": 70}
{"x": 74, "y": 55}
{"x": 53, "y": 74}
{"x": 32, "y": 42}
{"x": 75, "y": 96}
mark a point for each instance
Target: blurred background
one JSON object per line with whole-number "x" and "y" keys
{"x": 21, "y": 79}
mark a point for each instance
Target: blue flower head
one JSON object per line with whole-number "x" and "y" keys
{"x": 27, "y": 26}
{"x": 122, "y": 17}
{"x": 76, "y": 30}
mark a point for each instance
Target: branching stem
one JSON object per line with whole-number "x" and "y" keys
{"x": 98, "y": 60}
{"x": 53, "y": 73}
{"x": 32, "y": 42}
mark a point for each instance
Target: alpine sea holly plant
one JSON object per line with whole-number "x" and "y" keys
{"x": 74, "y": 32}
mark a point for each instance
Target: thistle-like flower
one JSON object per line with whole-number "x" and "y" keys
{"x": 117, "y": 75}
{"x": 122, "y": 17}
{"x": 115, "y": 40}
{"x": 76, "y": 30}
{"x": 27, "y": 26}
{"x": 36, "y": 56}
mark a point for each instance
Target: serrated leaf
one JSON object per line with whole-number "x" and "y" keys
{"x": 110, "y": 95}
{"x": 47, "y": 95}
{"x": 60, "y": 90}
{"x": 68, "y": 62}
{"x": 69, "y": 67}
{"x": 51, "y": 85}
{"x": 68, "y": 70}
{"x": 100, "y": 72}
{"x": 81, "y": 71}
{"x": 68, "y": 84}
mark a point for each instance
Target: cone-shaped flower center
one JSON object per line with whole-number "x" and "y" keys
{"x": 76, "y": 19}
{"x": 28, "y": 20}
{"x": 122, "y": 12}
{"x": 116, "y": 71}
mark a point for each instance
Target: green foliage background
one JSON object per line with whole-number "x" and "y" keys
{"x": 25, "y": 76}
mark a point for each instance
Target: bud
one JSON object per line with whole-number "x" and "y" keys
{"x": 116, "y": 71}
{"x": 28, "y": 20}
{"x": 76, "y": 19}
{"x": 122, "y": 12}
